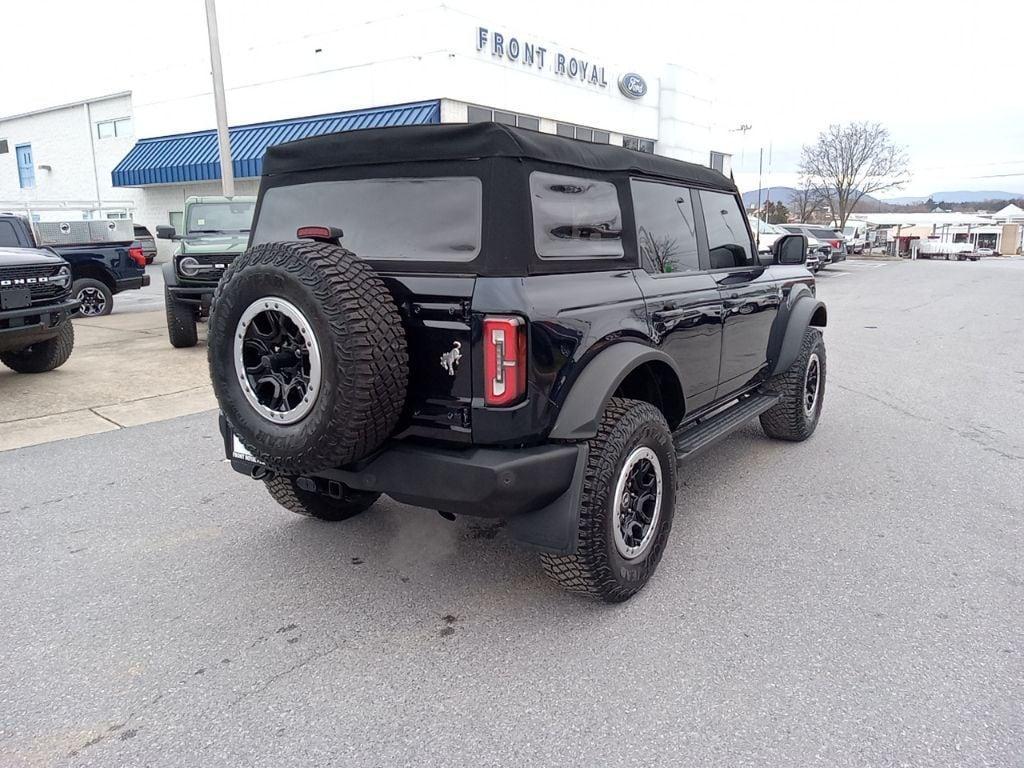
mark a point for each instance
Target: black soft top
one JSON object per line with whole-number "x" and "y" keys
{"x": 425, "y": 143}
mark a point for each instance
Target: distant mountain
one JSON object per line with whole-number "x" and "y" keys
{"x": 956, "y": 196}
{"x": 785, "y": 195}
{"x": 775, "y": 194}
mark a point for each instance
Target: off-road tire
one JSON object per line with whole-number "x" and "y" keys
{"x": 597, "y": 568}
{"x": 43, "y": 356}
{"x": 181, "y": 322}
{"x": 788, "y": 419}
{"x": 286, "y": 492}
{"x": 364, "y": 359}
{"x": 88, "y": 282}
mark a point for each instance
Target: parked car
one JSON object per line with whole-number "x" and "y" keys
{"x": 439, "y": 313}
{"x": 144, "y": 240}
{"x": 216, "y": 230}
{"x": 856, "y": 235}
{"x": 818, "y": 254}
{"x": 765, "y": 234}
{"x": 983, "y": 252}
{"x": 835, "y": 241}
{"x": 36, "y": 305}
{"x": 99, "y": 268}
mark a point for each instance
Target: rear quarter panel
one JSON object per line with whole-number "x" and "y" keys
{"x": 572, "y": 317}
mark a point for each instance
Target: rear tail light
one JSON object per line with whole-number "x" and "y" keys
{"x": 834, "y": 244}
{"x": 504, "y": 360}
{"x": 136, "y": 255}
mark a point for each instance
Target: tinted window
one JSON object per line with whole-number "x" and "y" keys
{"x": 585, "y": 134}
{"x": 220, "y": 217}
{"x": 601, "y": 137}
{"x": 479, "y": 115}
{"x": 529, "y": 122}
{"x": 413, "y": 219}
{"x": 8, "y": 237}
{"x": 665, "y": 231}
{"x": 575, "y": 217}
{"x": 564, "y": 129}
{"x": 728, "y": 238}
{"x": 504, "y": 117}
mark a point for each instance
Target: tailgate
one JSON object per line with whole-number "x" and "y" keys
{"x": 436, "y": 313}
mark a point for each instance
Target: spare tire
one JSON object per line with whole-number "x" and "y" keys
{"x": 307, "y": 354}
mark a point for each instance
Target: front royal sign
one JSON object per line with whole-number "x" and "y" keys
{"x": 530, "y": 54}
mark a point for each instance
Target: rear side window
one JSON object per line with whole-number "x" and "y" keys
{"x": 666, "y": 233}
{"x": 575, "y": 218}
{"x": 728, "y": 238}
{"x": 8, "y": 237}
{"x": 411, "y": 219}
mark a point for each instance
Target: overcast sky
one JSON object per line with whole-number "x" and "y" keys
{"x": 945, "y": 78}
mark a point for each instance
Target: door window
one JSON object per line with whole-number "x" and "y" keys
{"x": 666, "y": 232}
{"x": 728, "y": 236}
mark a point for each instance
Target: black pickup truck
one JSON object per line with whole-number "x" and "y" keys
{"x": 98, "y": 270}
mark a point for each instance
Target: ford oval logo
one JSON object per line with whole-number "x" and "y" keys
{"x": 632, "y": 85}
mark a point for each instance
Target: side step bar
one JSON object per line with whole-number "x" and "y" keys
{"x": 694, "y": 438}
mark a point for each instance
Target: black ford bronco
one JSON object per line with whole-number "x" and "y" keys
{"x": 36, "y": 306}
{"x": 503, "y": 323}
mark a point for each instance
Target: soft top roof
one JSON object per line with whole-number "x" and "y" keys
{"x": 418, "y": 143}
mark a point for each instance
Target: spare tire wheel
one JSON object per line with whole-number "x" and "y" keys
{"x": 307, "y": 354}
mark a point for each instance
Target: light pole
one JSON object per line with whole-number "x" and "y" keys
{"x": 227, "y": 175}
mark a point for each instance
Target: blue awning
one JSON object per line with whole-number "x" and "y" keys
{"x": 188, "y": 157}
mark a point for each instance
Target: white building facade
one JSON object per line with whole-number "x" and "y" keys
{"x": 462, "y": 68}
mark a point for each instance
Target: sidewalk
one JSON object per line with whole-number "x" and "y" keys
{"x": 123, "y": 372}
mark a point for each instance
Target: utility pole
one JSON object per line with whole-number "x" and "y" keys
{"x": 227, "y": 175}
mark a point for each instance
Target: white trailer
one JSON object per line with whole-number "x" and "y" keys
{"x": 939, "y": 249}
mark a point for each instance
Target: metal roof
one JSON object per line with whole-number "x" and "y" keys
{"x": 190, "y": 157}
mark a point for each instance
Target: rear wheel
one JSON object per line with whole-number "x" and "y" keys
{"x": 181, "y": 322}
{"x": 627, "y": 504}
{"x": 287, "y": 492}
{"x": 95, "y": 297}
{"x": 802, "y": 393}
{"x": 44, "y": 355}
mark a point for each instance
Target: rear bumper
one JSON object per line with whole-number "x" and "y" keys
{"x": 536, "y": 489}
{"x": 198, "y": 295}
{"x": 21, "y": 327}
{"x": 131, "y": 283}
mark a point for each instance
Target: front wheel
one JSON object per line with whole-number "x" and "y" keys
{"x": 626, "y": 508}
{"x": 95, "y": 297}
{"x": 287, "y": 492}
{"x": 802, "y": 393}
{"x": 43, "y": 356}
{"x": 181, "y": 322}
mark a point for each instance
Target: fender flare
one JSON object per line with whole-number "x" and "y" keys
{"x": 800, "y": 316}
{"x": 170, "y": 276}
{"x": 586, "y": 401}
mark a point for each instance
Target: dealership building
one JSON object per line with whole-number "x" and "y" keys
{"x": 139, "y": 154}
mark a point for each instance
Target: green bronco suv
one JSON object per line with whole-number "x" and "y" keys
{"x": 216, "y": 230}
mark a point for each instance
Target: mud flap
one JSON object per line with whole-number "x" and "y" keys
{"x": 554, "y": 528}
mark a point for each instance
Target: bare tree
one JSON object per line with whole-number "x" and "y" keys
{"x": 659, "y": 253}
{"x": 807, "y": 200}
{"x": 850, "y": 161}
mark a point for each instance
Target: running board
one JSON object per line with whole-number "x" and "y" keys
{"x": 694, "y": 438}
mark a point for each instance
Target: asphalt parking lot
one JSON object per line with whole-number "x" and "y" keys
{"x": 848, "y": 601}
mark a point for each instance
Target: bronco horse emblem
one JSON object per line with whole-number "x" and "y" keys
{"x": 450, "y": 359}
